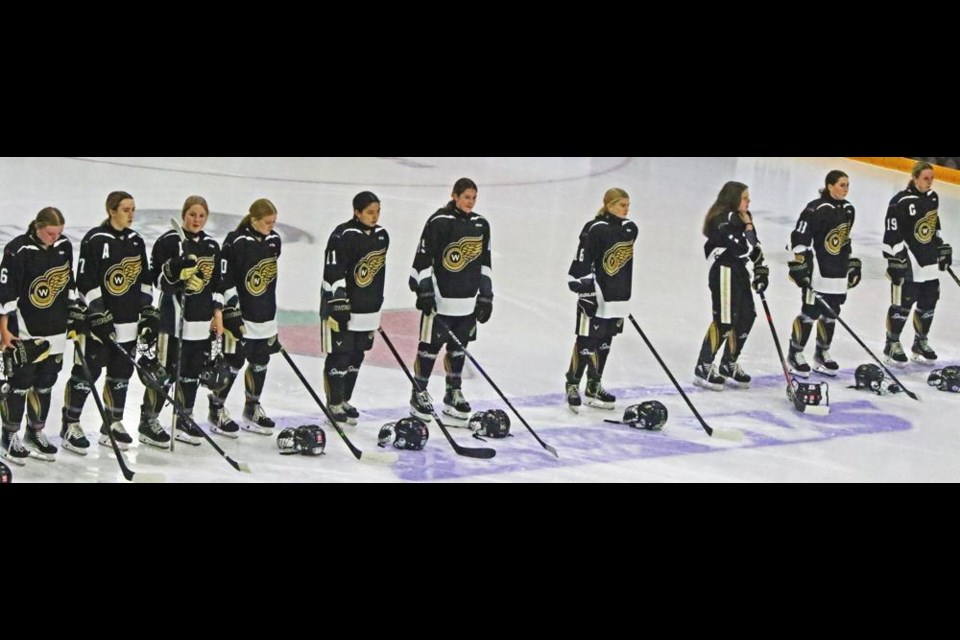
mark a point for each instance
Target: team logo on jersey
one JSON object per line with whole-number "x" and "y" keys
{"x": 368, "y": 267}
{"x": 120, "y": 277}
{"x": 45, "y": 289}
{"x": 837, "y": 239}
{"x": 926, "y": 227}
{"x": 261, "y": 275}
{"x": 459, "y": 254}
{"x": 205, "y": 269}
{"x": 616, "y": 257}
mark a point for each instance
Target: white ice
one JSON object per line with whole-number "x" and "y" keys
{"x": 536, "y": 207}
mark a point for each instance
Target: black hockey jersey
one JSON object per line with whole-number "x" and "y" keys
{"x": 604, "y": 263}
{"x": 453, "y": 259}
{"x": 355, "y": 267}
{"x": 248, "y": 270}
{"x": 200, "y": 304}
{"x": 113, "y": 272}
{"x": 913, "y": 226}
{"x": 824, "y": 227}
{"x": 728, "y": 241}
{"x": 36, "y": 286}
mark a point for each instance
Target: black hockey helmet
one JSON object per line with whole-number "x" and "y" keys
{"x": 309, "y": 440}
{"x": 650, "y": 415}
{"x": 408, "y": 433}
{"x": 869, "y": 376}
{"x": 149, "y": 365}
{"x": 946, "y": 379}
{"x": 6, "y": 476}
{"x": 491, "y": 424}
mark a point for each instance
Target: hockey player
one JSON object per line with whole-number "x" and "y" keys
{"x": 36, "y": 288}
{"x": 601, "y": 275}
{"x": 248, "y": 285}
{"x": 823, "y": 231}
{"x": 731, "y": 243}
{"x": 113, "y": 280}
{"x": 915, "y": 251}
{"x": 354, "y": 273}
{"x": 194, "y": 270}
{"x": 452, "y": 277}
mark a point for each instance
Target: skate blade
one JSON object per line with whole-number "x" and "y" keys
{"x": 17, "y": 461}
{"x": 924, "y": 361}
{"x": 105, "y": 441}
{"x": 37, "y": 455}
{"x": 707, "y": 385}
{"x": 730, "y": 382}
{"x": 599, "y": 404}
{"x": 826, "y": 372}
{"x": 800, "y": 374}
{"x": 257, "y": 429}
{"x": 163, "y": 446}
{"x": 456, "y": 415}
{"x": 72, "y": 449}
{"x": 894, "y": 363}
{"x": 426, "y": 417}
{"x": 188, "y": 439}
{"x": 226, "y": 434}
{"x": 576, "y": 410}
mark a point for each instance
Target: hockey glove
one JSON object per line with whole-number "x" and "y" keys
{"x": 426, "y": 302}
{"x": 148, "y": 328}
{"x": 853, "y": 273}
{"x": 233, "y": 323}
{"x": 945, "y": 256}
{"x": 483, "y": 308}
{"x": 101, "y": 326}
{"x": 180, "y": 268}
{"x": 897, "y": 269}
{"x": 761, "y": 277}
{"x": 76, "y": 320}
{"x": 27, "y": 352}
{"x": 587, "y": 303}
{"x": 756, "y": 256}
{"x": 195, "y": 284}
{"x": 801, "y": 269}
{"x": 274, "y": 345}
{"x": 338, "y": 310}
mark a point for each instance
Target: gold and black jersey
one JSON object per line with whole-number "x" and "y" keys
{"x": 824, "y": 227}
{"x": 605, "y": 254}
{"x": 249, "y": 269}
{"x": 913, "y": 223}
{"x": 36, "y": 284}
{"x": 200, "y": 303}
{"x": 355, "y": 265}
{"x": 113, "y": 272}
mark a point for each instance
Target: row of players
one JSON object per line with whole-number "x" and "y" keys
{"x": 912, "y": 245}
{"x": 232, "y": 290}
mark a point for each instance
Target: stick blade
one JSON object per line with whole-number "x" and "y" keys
{"x": 483, "y": 453}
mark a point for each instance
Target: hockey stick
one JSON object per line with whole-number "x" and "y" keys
{"x": 183, "y": 312}
{"x": 834, "y": 314}
{"x": 726, "y": 434}
{"x": 475, "y": 452}
{"x": 495, "y": 387}
{"x": 131, "y": 476}
{"x": 373, "y": 456}
{"x": 797, "y": 402}
{"x": 953, "y": 275}
{"x": 178, "y": 408}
